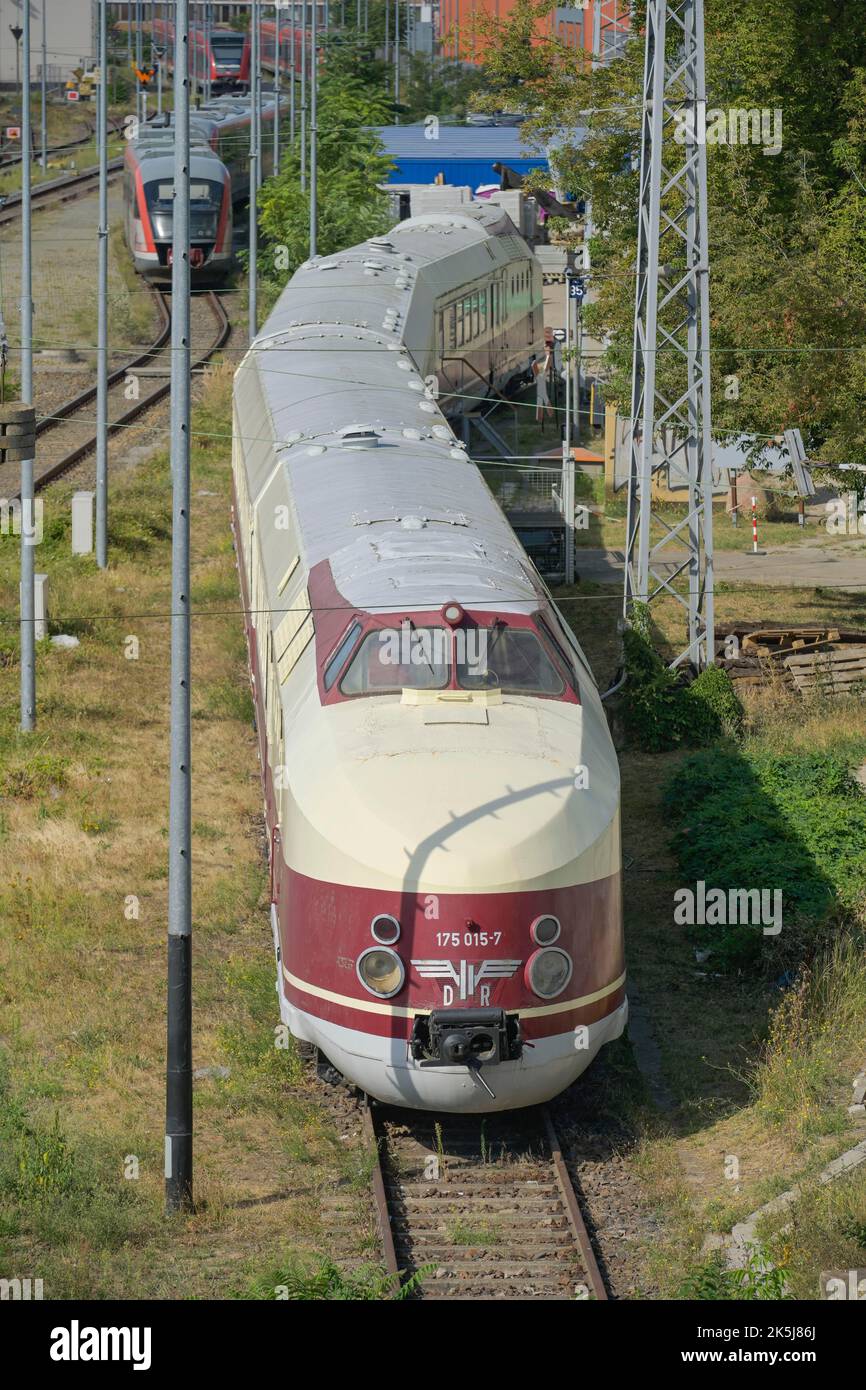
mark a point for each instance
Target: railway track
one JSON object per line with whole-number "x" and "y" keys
{"x": 479, "y": 1207}
{"x": 62, "y": 190}
{"x": 53, "y": 456}
{"x": 12, "y": 160}
{"x": 76, "y": 417}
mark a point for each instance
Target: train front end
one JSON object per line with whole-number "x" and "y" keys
{"x": 152, "y": 217}
{"x": 226, "y": 59}
{"x": 448, "y": 916}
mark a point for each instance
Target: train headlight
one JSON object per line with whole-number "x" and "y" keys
{"x": 545, "y": 930}
{"x": 381, "y": 971}
{"x": 548, "y": 971}
{"x": 385, "y": 929}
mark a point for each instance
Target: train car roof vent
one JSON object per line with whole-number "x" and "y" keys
{"x": 358, "y": 437}
{"x": 381, "y": 243}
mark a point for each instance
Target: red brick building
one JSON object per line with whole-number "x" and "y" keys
{"x": 596, "y": 26}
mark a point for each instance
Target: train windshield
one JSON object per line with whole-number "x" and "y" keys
{"x": 205, "y": 201}
{"x": 510, "y": 659}
{"x": 227, "y": 49}
{"x": 390, "y": 659}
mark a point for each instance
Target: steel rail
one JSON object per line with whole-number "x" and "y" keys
{"x": 12, "y": 160}
{"x": 74, "y": 456}
{"x": 56, "y": 191}
{"x": 383, "y": 1215}
{"x": 61, "y": 412}
{"x": 572, "y": 1206}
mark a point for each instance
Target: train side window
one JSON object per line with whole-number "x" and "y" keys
{"x": 460, "y": 327}
{"x": 482, "y": 299}
{"x": 338, "y": 660}
{"x": 467, "y": 317}
{"x": 476, "y": 314}
{"x": 452, "y": 326}
{"x": 565, "y": 658}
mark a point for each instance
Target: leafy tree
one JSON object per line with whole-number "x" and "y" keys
{"x": 351, "y": 163}
{"x": 787, "y": 231}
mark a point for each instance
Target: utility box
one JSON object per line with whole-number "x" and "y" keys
{"x": 82, "y": 523}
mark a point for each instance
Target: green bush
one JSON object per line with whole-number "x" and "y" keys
{"x": 303, "y": 1279}
{"x": 760, "y": 1280}
{"x": 660, "y": 709}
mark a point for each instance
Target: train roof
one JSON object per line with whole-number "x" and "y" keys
{"x": 340, "y": 405}
{"x": 219, "y": 114}
{"x": 158, "y": 163}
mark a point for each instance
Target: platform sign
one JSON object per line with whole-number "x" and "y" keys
{"x": 576, "y": 288}
{"x": 13, "y": 132}
{"x": 72, "y": 94}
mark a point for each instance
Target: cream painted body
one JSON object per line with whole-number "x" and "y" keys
{"x": 375, "y": 796}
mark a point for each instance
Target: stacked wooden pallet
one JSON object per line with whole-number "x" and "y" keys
{"x": 841, "y": 670}
{"x": 809, "y": 659}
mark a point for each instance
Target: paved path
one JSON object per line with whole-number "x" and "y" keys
{"x": 808, "y": 564}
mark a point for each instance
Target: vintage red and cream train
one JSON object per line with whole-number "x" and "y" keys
{"x": 441, "y": 791}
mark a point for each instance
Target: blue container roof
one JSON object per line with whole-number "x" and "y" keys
{"x": 462, "y": 154}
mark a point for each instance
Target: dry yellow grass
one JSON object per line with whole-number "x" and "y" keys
{"x": 83, "y": 828}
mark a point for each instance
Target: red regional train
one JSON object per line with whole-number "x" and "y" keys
{"x": 219, "y": 178}
{"x": 291, "y": 46}
{"x": 220, "y": 54}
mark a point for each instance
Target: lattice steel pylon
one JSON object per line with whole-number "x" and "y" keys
{"x": 611, "y": 29}
{"x": 670, "y": 405}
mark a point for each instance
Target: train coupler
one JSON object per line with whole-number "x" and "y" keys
{"x": 466, "y": 1037}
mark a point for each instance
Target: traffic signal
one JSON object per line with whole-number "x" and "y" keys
{"x": 144, "y": 75}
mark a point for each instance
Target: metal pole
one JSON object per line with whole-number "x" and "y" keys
{"x": 278, "y": 53}
{"x": 254, "y": 176}
{"x": 44, "y": 116}
{"x": 396, "y": 55}
{"x": 102, "y": 300}
{"x": 260, "y": 162}
{"x": 567, "y": 457}
{"x": 304, "y": 96}
{"x": 28, "y": 559}
{"x": 207, "y": 53}
{"x": 138, "y": 57}
{"x": 578, "y": 348}
{"x": 178, "y": 1078}
{"x": 387, "y": 33}
{"x": 314, "y": 168}
{"x": 292, "y": 61}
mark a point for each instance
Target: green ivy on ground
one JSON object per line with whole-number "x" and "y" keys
{"x": 748, "y": 817}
